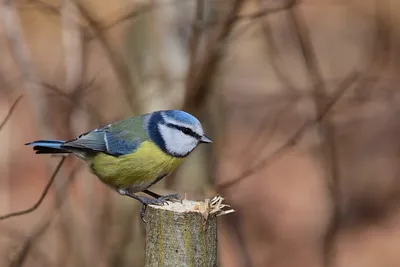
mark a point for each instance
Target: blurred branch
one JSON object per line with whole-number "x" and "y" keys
{"x": 254, "y": 17}
{"x": 121, "y": 70}
{"x": 10, "y": 112}
{"x": 24, "y": 250}
{"x": 292, "y": 140}
{"x": 29, "y": 242}
{"x": 273, "y": 50}
{"x": 236, "y": 227}
{"x": 20, "y": 52}
{"x": 17, "y": 234}
{"x": 326, "y": 129}
{"x": 269, "y": 10}
{"x": 380, "y": 58}
{"x": 200, "y": 74}
{"x": 75, "y": 68}
{"x": 42, "y": 196}
{"x": 319, "y": 90}
{"x": 132, "y": 14}
{"x": 200, "y": 4}
{"x": 72, "y": 44}
{"x": 75, "y": 97}
{"x": 197, "y": 24}
{"x": 253, "y": 149}
{"x": 121, "y": 246}
{"x": 198, "y": 85}
{"x": 380, "y": 52}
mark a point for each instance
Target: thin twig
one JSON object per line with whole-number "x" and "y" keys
{"x": 24, "y": 250}
{"x": 28, "y": 244}
{"x": 75, "y": 67}
{"x": 253, "y": 148}
{"x": 120, "y": 68}
{"x": 268, "y": 11}
{"x": 273, "y": 52}
{"x": 327, "y": 129}
{"x": 20, "y": 52}
{"x": 73, "y": 98}
{"x": 255, "y": 17}
{"x": 292, "y": 140}
{"x": 42, "y": 196}
{"x": 72, "y": 45}
{"x": 198, "y": 87}
{"x": 14, "y": 234}
{"x": 10, "y": 112}
{"x": 197, "y": 27}
{"x": 380, "y": 51}
{"x": 131, "y": 15}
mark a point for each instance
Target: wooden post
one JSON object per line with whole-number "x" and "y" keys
{"x": 183, "y": 234}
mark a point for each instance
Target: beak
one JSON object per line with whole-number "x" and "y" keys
{"x": 205, "y": 139}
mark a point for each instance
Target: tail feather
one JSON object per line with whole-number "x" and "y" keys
{"x": 48, "y": 147}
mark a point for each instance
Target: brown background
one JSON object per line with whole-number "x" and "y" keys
{"x": 300, "y": 98}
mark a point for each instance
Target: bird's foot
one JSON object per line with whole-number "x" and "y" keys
{"x": 172, "y": 197}
{"x": 161, "y": 200}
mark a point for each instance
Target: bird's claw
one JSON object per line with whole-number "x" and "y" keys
{"x": 172, "y": 197}
{"x": 161, "y": 201}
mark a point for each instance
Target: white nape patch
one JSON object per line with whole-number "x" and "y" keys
{"x": 177, "y": 142}
{"x": 194, "y": 127}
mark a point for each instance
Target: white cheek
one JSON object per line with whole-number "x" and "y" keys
{"x": 176, "y": 141}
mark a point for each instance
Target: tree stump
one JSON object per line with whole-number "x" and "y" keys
{"x": 183, "y": 234}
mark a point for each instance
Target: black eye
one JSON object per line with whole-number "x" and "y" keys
{"x": 186, "y": 131}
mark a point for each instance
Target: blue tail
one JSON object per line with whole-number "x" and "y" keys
{"x": 48, "y": 146}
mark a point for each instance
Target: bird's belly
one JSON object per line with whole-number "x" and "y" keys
{"x": 137, "y": 170}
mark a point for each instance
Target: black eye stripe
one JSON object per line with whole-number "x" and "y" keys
{"x": 185, "y": 130}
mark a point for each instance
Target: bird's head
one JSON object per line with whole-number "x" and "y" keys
{"x": 176, "y": 132}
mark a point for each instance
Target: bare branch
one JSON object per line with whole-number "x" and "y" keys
{"x": 197, "y": 88}
{"x": 17, "y": 234}
{"x": 24, "y": 250}
{"x": 42, "y": 196}
{"x": 120, "y": 68}
{"x": 254, "y": 17}
{"x": 10, "y": 112}
{"x": 253, "y": 148}
{"x": 327, "y": 129}
{"x": 267, "y": 11}
{"x": 273, "y": 50}
{"x": 20, "y": 52}
{"x": 28, "y": 244}
{"x": 75, "y": 97}
{"x": 195, "y": 38}
{"x": 292, "y": 140}
{"x": 132, "y": 14}
{"x": 72, "y": 44}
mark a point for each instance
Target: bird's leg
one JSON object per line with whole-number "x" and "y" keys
{"x": 155, "y": 195}
{"x": 163, "y": 198}
{"x": 143, "y": 200}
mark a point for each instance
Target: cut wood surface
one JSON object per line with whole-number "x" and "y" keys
{"x": 183, "y": 234}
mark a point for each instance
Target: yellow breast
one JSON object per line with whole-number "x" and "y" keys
{"x": 138, "y": 169}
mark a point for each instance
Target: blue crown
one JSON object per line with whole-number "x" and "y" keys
{"x": 182, "y": 116}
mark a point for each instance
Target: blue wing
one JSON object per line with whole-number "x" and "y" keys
{"x": 115, "y": 139}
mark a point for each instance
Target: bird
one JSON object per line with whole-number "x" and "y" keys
{"x": 133, "y": 154}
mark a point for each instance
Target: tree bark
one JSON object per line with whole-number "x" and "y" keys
{"x": 182, "y": 234}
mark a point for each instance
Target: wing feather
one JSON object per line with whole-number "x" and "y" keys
{"x": 116, "y": 139}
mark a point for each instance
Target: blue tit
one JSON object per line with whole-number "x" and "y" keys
{"x": 135, "y": 153}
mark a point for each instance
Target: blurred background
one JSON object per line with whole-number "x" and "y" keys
{"x": 300, "y": 98}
